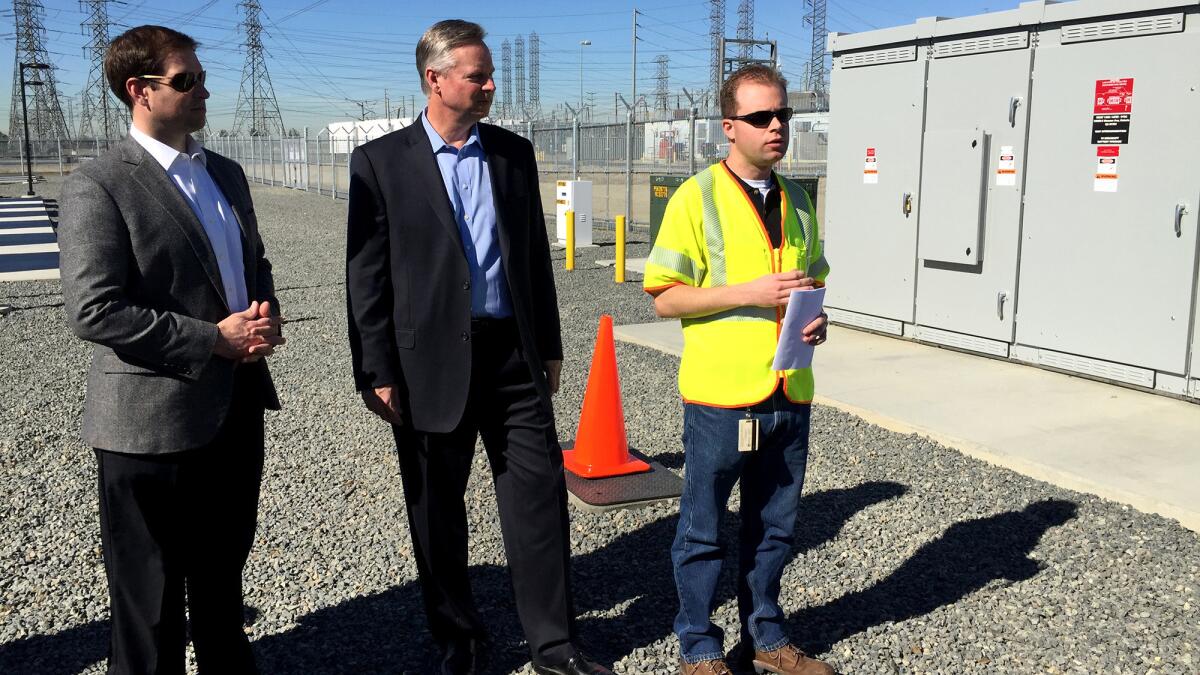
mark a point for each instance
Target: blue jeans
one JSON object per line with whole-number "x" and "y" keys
{"x": 771, "y": 478}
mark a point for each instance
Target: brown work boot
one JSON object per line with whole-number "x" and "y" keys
{"x": 710, "y": 667}
{"x": 788, "y": 660}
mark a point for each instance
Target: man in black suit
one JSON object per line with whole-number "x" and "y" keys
{"x": 454, "y": 333}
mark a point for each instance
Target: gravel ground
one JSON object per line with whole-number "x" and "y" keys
{"x": 910, "y": 557}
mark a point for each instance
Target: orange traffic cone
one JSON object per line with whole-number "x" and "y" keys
{"x": 601, "y": 447}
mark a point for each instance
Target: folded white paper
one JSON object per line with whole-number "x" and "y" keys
{"x": 803, "y": 307}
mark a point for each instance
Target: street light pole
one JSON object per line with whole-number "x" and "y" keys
{"x": 25, "y": 121}
{"x": 582, "y": 44}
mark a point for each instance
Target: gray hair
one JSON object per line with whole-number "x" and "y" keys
{"x": 443, "y": 37}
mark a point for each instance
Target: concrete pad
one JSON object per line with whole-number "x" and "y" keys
{"x": 631, "y": 264}
{"x": 1121, "y": 444}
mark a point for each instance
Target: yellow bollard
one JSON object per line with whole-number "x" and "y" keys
{"x": 619, "y": 273}
{"x": 570, "y": 240}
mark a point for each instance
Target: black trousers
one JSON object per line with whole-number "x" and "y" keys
{"x": 180, "y": 525}
{"x": 518, "y": 434}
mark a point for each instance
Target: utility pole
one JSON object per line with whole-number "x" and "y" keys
{"x": 362, "y": 104}
{"x": 816, "y": 60}
{"x": 633, "y": 75}
{"x": 716, "y": 35}
{"x": 257, "y": 110}
{"x": 46, "y": 118}
{"x": 100, "y": 115}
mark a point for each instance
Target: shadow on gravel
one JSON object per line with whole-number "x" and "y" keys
{"x": 63, "y": 653}
{"x": 967, "y": 557}
{"x": 635, "y": 569}
{"x": 386, "y": 633}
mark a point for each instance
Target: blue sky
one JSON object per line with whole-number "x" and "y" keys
{"x": 322, "y": 52}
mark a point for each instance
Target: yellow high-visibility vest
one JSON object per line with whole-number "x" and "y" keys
{"x": 712, "y": 235}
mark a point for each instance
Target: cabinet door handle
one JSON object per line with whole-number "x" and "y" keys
{"x": 1181, "y": 210}
{"x": 1000, "y": 298}
{"x": 1013, "y": 103}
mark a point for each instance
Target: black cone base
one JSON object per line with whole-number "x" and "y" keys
{"x": 657, "y": 484}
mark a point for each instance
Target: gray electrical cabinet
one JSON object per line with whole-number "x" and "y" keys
{"x": 1025, "y": 184}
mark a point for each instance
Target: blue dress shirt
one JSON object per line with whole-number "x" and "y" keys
{"x": 469, "y": 186}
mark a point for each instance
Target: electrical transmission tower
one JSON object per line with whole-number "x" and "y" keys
{"x": 745, "y": 28}
{"x": 716, "y": 34}
{"x": 257, "y": 111}
{"x": 102, "y": 116}
{"x": 815, "y": 72}
{"x": 535, "y": 67}
{"x": 661, "y": 90}
{"x": 46, "y": 119}
{"x": 506, "y": 87}
{"x": 519, "y": 89}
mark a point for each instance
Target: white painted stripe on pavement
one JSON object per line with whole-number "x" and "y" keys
{"x": 29, "y": 248}
{"x": 25, "y": 230}
{"x": 24, "y": 219}
{"x": 29, "y": 275}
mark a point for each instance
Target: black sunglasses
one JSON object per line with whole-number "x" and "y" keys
{"x": 762, "y": 118}
{"x": 182, "y": 82}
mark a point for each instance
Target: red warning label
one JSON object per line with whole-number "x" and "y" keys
{"x": 1113, "y": 96}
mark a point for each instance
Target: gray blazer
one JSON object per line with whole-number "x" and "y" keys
{"x": 140, "y": 280}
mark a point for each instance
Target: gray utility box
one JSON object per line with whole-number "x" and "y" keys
{"x": 1024, "y": 184}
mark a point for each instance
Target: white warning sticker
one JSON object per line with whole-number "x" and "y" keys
{"x": 871, "y": 168}
{"x": 1006, "y": 167}
{"x": 1106, "y": 168}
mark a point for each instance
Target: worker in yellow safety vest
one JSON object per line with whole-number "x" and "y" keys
{"x": 735, "y": 241}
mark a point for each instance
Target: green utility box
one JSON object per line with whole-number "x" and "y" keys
{"x": 662, "y": 187}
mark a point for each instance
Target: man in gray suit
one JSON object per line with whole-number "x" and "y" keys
{"x": 163, "y": 269}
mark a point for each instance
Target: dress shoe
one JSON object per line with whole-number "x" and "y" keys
{"x": 788, "y": 660}
{"x": 710, "y": 667}
{"x": 576, "y": 665}
{"x": 462, "y": 658}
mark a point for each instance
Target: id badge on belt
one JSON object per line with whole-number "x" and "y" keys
{"x": 747, "y": 434}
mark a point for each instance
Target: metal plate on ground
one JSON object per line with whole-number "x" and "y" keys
{"x": 657, "y": 484}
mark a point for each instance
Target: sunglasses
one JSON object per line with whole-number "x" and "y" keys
{"x": 762, "y": 118}
{"x": 182, "y": 82}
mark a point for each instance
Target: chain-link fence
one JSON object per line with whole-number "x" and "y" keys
{"x": 620, "y": 159}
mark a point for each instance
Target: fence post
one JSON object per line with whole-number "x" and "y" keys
{"x": 58, "y": 142}
{"x": 305, "y": 157}
{"x": 629, "y": 165}
{"x": 318, "y": 162}
{"x": 692, "y": 141}
{"x": 575, "y": 147}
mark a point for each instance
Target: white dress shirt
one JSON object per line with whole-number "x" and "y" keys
{"x": 188, "y": 170}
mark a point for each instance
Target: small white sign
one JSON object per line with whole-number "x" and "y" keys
{"x": 1106, "y": 168}
{"x": 1006, "y": 167}
{"x": 871, "y": 168}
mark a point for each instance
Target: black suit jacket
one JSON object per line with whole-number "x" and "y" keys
{"x": 407, "y": 281}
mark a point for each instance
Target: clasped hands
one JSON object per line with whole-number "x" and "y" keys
{"x": 249, "y": 335}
